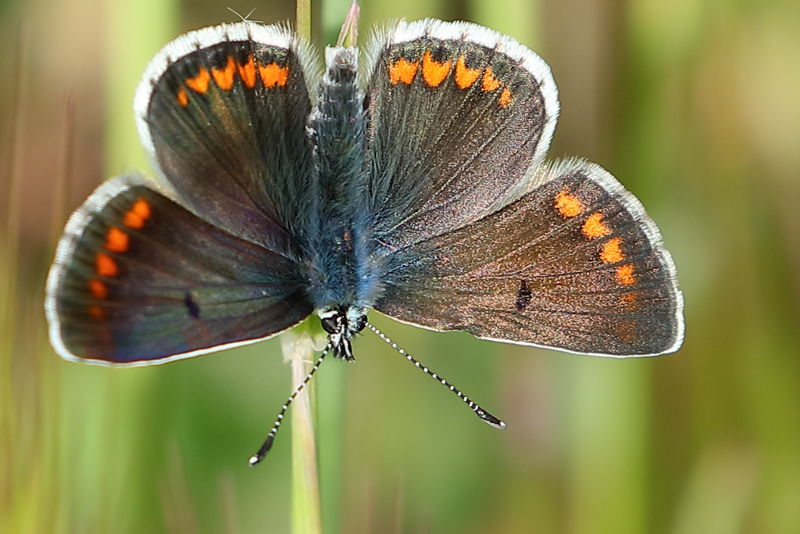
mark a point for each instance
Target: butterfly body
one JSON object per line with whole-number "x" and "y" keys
{"x": 343, "y": 281}
{"x": 339, "y": 233}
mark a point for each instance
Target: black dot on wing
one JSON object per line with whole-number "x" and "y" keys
{"x": 191, "y": 306}
{"x": 523, "y": 296}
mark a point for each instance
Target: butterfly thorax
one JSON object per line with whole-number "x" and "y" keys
{"x": 339, "y": 238}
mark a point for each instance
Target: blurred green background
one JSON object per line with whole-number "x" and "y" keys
{"x": 694, "y": 105}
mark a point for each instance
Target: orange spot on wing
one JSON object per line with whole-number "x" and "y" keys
{"x": 132, "y": 220}
{"x": 273, "y": 75}
{"x": 465, "y": 77}
{"x": 183, "y": 97}
{"x": 568, "y": 204}
{"x": 434, "y": 72}
{"x": 627, "y": 331}
{"x": 625, "y": 275}
{"x": 199, "y": 83}
{"x": 505, "y": 98}
{"x": 612, "y": 251}
{"x": 403, "y": 71}
{"x": 594, "y": 226}
{"x": 630, "y": 300}
{"x": 137, "y": 215}
{"x": 142, "y": 208}
{"x": 105, "y": 265}
{"x": 247, "y": 72}
{"x": 98, "y": 289}
{"x": 224, "y": 77}
{"x": 117, "y": 240}
{"x": 96, "y": 312}
{"x": 490, "y": 83}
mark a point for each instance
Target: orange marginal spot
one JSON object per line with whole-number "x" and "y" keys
{"x": 594, "y": 226}
{"x": 247, "y": 72}
{"x": 434, "y": 72}
{"x": 105, "y": 265}
{"x": 98, "y": 289}
{"x": 625, "y": 275}
{"x": 117, "y": 240}
{"x": 612, "y": 251}
{"x": 224, "y": 77}
{"x": 505, "y": 98}
{"x": 627, "y": 331}
{"x": 465, "y": 77}
{"x": 142, "y": 208}
{"x": 403, "y": 71}
{"x": 132, "y": 220}
{"x": 490, "y": 83}
{"x": 568, "y": 204}
{"x": 137, "y": 215}
{"x": 96, "y": 311}
{"x": 273, "y": 74}
{"x": 631, "y": 300}
{"x": 183, "y": 97}
{"x": 199, "y": 83}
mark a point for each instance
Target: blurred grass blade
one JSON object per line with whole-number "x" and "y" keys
{"x": 13, "y": 494}
{"x": 136, "y": 32}
{"x": 303, "y": 19}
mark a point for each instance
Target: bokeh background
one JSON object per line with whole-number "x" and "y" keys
{"x": 692, "y": 104}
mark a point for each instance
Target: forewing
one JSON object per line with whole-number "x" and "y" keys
{"x": 458, "y": 116}
{"x": 139, "y": 279}
{"x": 574, "y": 265}
{"x": 223, "y": 111}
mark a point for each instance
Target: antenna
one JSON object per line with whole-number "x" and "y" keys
{"x": 245, "y": 18}
{"x": 480, "y": 412}
{"x": 262, "y": 452}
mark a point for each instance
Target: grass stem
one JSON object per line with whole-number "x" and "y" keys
{"x": 297, "y": 346}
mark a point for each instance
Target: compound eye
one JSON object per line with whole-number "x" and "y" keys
{"x": 330, "y": 324}
{"x": 360, "y": 323}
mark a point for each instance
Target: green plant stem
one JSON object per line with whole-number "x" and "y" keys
{"x": 297, "y": 346}
{"x": 303, "y": 21}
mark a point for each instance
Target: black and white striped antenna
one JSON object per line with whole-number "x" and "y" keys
{"x": 480, "y": 412}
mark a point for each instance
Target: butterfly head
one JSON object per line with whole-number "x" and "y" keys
{"x": 342, "y": 323}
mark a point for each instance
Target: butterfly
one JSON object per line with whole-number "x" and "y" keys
{"x": 413, "y": 182}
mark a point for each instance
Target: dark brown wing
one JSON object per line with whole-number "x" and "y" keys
{"x": 223, "y": 111}
{"x": 138, "y": 279}
{"x": 574, "y": 265}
